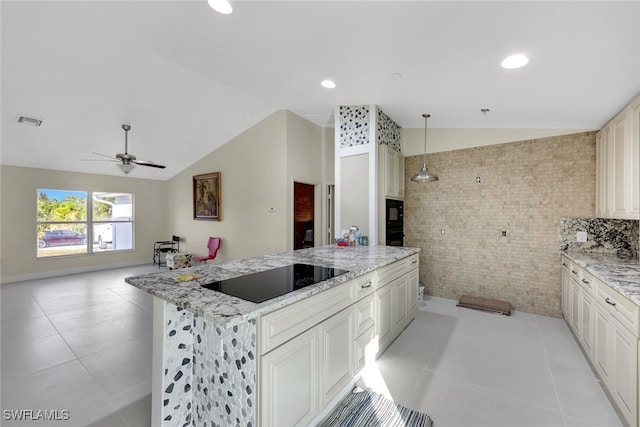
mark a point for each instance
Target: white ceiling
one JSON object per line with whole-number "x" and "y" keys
{"x": 188, "y": 79}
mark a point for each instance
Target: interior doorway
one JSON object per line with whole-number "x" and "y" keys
{"x": 303, "y": 215}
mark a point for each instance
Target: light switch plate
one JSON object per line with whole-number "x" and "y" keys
{"x": 581, "y": 236}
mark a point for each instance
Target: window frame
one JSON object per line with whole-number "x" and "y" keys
{"x": 88, "y": 222}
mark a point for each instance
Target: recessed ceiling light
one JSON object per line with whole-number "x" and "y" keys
{"x": 221, "y": 6}
{"x": 514, "y": 61}
{"x": 396, "y": 75}
{"x": 329, "y": 84}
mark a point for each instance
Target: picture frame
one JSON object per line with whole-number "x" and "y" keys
{"x": 206, "y": 197}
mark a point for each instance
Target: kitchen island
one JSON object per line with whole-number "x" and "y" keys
{"x": 222, "y": 360}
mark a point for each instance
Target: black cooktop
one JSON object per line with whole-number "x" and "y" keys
{"x": 268, "y": 284}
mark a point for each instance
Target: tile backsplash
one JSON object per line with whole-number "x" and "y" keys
{"x": 618, "y": 236}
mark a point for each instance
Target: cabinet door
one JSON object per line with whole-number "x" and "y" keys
{"x": 587, "y": 323}
{"x": 384, "y": 321}
{"x": 602, "y": 343}
{"x": 399, "y": 298}
{"x": 603, "y": 156}
{"x": 576, "y": 321}
{"x": 566, "y": 291}
{"x": 399, "y": 174}
{"x": 390, "y": 165}
{"x": 635, "y": 159}
{"x": 625, "y": 348}
{"x": 289, "y": 382}
{"x": 413, "y": 280}
{"x": 620, "y": 166}
{"x": 337, "y": 358}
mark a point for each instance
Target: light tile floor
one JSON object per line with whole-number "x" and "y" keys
{"x": 471, "y": 368}
{"x": 82, "y": 343}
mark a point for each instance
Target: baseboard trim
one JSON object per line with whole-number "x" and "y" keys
{"x": 69, "y": 271}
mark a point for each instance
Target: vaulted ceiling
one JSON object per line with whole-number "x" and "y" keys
{"x": 188, "y": 79}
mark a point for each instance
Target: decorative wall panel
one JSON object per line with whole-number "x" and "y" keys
{"x": 354, "y": 125}
{"x": 388, "y": 131}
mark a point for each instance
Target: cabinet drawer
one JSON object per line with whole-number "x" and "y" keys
{"x": 365, "y": 348}
{"x": 398, "y": 268}
{"x": 413, "y": 261}
{"x": 587, "y": 283}
{"x": 280, "y": 326}
{"x": 364, "y": 286}
{"x": 365, "y": 314}
{"x": 625, "y": 311}
{"x": 386, "y": 274}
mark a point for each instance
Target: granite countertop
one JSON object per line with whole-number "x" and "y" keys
{"x": 621, "y": 274}
{"x": 184, "y": 291}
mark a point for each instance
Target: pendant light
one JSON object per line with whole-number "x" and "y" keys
{"x": 424, "y": 174}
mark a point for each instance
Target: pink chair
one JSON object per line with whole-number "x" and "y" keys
{"x": 213, "y": 245}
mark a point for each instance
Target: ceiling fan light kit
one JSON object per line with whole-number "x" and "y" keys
{"x": 126, "y": 161}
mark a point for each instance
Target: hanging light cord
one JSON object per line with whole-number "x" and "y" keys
{"x": 424, "y": 155}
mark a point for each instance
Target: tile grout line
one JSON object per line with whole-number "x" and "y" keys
{"x": 553, "y": 380}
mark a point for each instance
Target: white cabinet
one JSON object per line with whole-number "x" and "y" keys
{"x": 336, "y": 358}
{"x": 392, "y": 172}
{"x": 311, "y": 351}
{"x": 634, "y": 111}
{"x": 618, "y": 165}
{"x": 607, "y": 326}
{"x": 625, "y": 365}
{"x": 384, "y": 320}
{"x": 289, "y": 382}
{"x": 566, "y": 289}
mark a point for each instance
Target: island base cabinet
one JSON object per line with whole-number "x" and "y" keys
{"x": 289, "y": 382}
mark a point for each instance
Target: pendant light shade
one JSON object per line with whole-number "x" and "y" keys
{"x": 424, "y": 174}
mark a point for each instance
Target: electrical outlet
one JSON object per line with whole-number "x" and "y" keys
{"x": 443, "y": 231}
{"x": 581, "y": 236}
{"x": 504, "y": 233}
{"x": 478, "y": 180}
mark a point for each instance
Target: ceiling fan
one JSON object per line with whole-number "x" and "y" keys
{"x": 128, "y": 161}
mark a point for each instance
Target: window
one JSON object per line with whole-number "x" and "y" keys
{"x": 68, "y": 220}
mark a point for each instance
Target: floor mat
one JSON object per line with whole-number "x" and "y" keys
{"x": 485, "y": 304}
{"x": 369, "y": 409}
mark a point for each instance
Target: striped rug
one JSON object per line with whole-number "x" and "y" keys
{"x": 368, "y": 409}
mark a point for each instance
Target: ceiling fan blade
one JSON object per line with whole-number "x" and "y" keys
{"x": 98, "y": 160}
{"x": 103, "y": 155}
{"x": 148, "y": 163}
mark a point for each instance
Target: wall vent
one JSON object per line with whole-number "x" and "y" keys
{"x": 29, "y": 120}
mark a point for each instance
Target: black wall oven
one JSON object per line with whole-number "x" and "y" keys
{"x": 394, "y": 234}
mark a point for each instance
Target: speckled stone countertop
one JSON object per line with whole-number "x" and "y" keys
{"x": 226, "y": 310}
{"x": 621, "y": 274}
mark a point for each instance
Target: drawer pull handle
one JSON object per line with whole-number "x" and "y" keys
{"x": 609, "y": 302}
{"x": 415, "y": 261}
{"x": 585, "y": 281}
{"x": 574, "y": 271}
{"x": 564, "y": 264}
{"x": 367, "y": 285}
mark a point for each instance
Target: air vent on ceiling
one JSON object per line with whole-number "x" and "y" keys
{"x": 29, "y": 120}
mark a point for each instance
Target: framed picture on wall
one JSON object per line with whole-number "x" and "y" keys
{"x": 206, "y": 197}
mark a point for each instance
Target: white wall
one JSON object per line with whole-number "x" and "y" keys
{"x": 305, "y": 164}
{"x": 254, "y": 180}
{"x": 439, "y": 140}
{"x": 19, "y": 232}
{"x": 354, "y": 206}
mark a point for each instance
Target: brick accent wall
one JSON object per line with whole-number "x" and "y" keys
{"x": 525, "y": 189}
